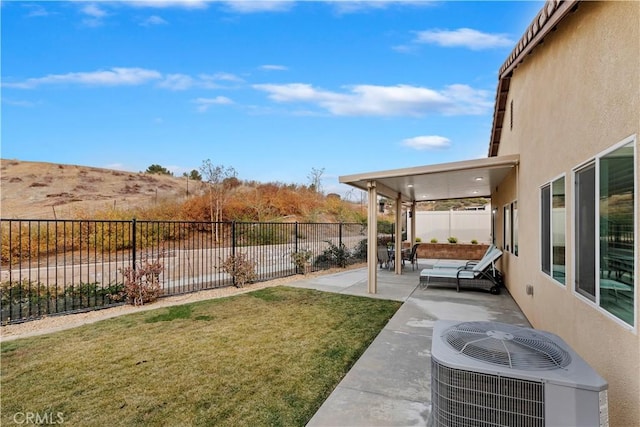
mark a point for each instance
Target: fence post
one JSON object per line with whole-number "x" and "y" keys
{"x": 296, "y": 233}
{"x": 340, "y": 235}
{"x": 133, "y": 242}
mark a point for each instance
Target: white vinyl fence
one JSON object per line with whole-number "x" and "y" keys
{"x": 464, "y": 225}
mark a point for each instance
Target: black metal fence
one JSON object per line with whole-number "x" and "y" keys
{"x": 63, "y": 266}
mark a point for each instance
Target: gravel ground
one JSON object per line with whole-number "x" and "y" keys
{"x": 51, "y": 324}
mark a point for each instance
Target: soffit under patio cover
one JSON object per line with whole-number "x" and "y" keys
{"x": 456, "y": 180}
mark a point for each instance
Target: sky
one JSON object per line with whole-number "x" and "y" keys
{"x": 275, "y": 90}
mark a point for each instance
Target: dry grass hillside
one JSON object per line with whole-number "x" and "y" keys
{"x": 50, "y": 190}
{"x": 36, "y": 190}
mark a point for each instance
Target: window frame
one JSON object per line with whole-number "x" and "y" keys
{"x": 633, "y": 139}
{"x": 549, "y": 184}
{"x": 509, "y": 229}
{"x": 507, "y": 235}
{"x": 514, "y": 227}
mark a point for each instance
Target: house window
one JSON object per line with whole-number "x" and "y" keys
{"x": 514, "y": 226}
{"x": 558, "y": 232}
{"x": 617, "y": 232}
{"x": 510, "y": 235}
{"x": 552, "y": 229}
{"x": 506, "y": 236}
{"x": 494, "y": 219}
{"x": 585, "y": 232}
{"x": 605, "y": 231}
{"x": 511, "y": 115}
{"x": 545, "y": 229}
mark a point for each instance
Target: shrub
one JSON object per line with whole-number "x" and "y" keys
{"x": 418, "y": 240}
{"x": 301, "y": 260}
{"x": 453, "y": 239}
{"x": 434, "y": 240}
{"x": 24, "y": 292}
{"x": 360, "y": 251}
{"x": 474, "y": 242}
{"x": 334, "y": 255}
{"x": 241, "y": 268}
{"x": 94, "y": 290}
{"x": 141, "y": 284}
{"x": 385, "y": 227}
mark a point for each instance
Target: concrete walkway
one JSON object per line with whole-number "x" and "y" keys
{"x": 390, "y": 385}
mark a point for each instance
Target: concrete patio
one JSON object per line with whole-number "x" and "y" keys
{"x": 390, "y": 384}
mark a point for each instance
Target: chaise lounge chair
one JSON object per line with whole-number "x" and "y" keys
{"x": 481, "y": 275}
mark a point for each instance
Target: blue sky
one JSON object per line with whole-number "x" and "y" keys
{"x": 272, "y": 89}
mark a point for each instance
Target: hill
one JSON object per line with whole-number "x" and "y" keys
{"x": 50, "y": 190}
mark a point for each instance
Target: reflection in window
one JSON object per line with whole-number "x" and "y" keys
{"x": 507, "y": 229}
{"x": 617, "y": 231}
{"x": 585, "y": 234}
{"x": 514, "y": 226}
{"x": 545, "y": 229}
{"x": 558, "y": 229}
{"x": 552, "y": 229}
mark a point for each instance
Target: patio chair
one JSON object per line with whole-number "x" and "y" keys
{"x": 482, "y": 275}
{"x": 383, "y": 257}
{"x": 412, "y": 256}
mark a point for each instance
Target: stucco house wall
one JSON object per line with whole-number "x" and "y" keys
{"x": 576, "y": 95}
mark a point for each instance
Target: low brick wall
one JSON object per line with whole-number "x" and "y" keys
{"x": 451, "y": 250}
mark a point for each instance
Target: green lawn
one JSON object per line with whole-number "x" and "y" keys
{"x": 268, "y": 357}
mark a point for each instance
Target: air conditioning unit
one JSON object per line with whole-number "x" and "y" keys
{"x": 495, "y": 374}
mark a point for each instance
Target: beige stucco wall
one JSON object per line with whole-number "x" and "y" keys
{"x": 577, "y": 95}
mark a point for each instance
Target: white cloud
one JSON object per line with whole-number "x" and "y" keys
{"x": 161, "y": 4}
{"x": 203, "y": 104}
{"x": 273, "y": 67}
{"x": 253, "y": 6}
{"x": 177, "y": 82}
{"x": 19, "y": 103}
{"x": 404, "y": 48}
{"x": 36, "y": 10}
{"x": 93, "y": 11}
{"x": 153, "y": 20}
{"x": 215, "y": 81}
{"x": 112, "y": 77}
{"x": 95, "y": 15}
{"x": 371, "y": 100}
{"x": 427, "y": 142}
{"x": 129, "y": 76}
{"x": 224, "y": 77}
{"x": 464, "y": 37}
{"x": 351, "y": 6}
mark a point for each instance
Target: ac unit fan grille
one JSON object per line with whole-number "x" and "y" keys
{"x": 506, "y": 345}
{"x": 470, "y": 399}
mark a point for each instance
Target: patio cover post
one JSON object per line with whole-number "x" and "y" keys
{"x": 398, "y": 243}
{"x": 372, "y": 238}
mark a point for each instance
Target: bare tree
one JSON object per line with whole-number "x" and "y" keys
{"x": 217, "y": 178}
{"x": 315, "y": 179}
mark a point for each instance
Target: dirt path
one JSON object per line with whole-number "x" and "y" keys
{"x": 51, "y": 324}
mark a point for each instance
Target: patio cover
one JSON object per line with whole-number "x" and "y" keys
{"x": 455, "y": 180}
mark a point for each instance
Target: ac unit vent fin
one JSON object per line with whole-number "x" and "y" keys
{"x": 506, "y": 345}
